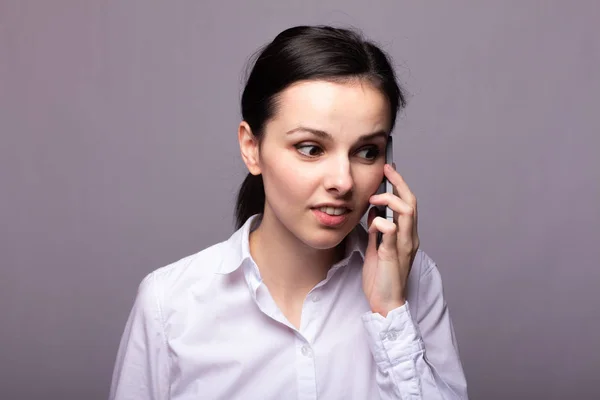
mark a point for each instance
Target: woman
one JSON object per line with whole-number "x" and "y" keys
{"x": 300, "y": 302}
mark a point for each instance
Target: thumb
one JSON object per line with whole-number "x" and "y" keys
{"x": 372, "y": 242}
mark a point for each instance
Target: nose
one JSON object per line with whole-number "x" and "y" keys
{"x": 338, "y": 176}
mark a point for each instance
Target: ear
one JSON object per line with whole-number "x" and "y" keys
{"x": 249, "y": 148}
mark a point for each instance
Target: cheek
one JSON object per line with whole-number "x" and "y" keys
{"x": 368, "y": 181}
{"x": 286, "y": 180}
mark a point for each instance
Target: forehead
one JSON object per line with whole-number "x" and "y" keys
{"x": 352, "y": 107}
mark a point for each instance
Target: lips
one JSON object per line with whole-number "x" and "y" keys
{"x": 330, "y": 219}
{"x": 334, "y": 210}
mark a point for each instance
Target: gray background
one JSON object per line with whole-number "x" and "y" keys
{"x": 119, "y": 155}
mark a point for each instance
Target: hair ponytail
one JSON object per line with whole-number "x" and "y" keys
{"x": 250, "y": 199}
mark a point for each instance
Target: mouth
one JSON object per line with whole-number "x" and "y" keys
{"x": 334, "y": 211}
{"x": 331, "y": 216}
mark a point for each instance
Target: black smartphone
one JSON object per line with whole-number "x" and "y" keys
{"x": 386, "y": 187}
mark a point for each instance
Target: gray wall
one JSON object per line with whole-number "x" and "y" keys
{"x": 118, "y": 155}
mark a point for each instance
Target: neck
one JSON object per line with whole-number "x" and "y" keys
{"x": 288, "y": 267}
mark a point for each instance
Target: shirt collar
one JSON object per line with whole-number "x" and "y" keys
{"x": 238, "y": 245}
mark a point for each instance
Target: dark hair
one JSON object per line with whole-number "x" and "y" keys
{"x": 307, "y": 53}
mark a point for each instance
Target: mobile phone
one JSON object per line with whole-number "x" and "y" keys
{"x": 386, "y": 187}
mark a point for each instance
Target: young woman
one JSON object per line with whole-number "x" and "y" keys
{"x": 300, "y": 302}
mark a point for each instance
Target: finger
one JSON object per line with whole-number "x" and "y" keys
{"x": 382, "y": 225}
{"x": 372, "y": 240}
{"x": 406, "y": 194}
{"x": 388, "y": 228}
{"x": 404, "y": 218}
{"x": 371, "y": 243}
{"x": 402, "y": 189}
{"x": 415, "y": 219}
{"x": 373, "y": 212}
{"x": 398, "y": 205}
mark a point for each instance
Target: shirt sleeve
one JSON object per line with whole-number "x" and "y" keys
{"x": 417, "y": 361}
{"x": 142, "y": 370}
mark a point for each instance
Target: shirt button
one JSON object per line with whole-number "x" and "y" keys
{"x": 306, "y": 351}
{"x": 316, "y": 298}
{"x": 392, "y": 335}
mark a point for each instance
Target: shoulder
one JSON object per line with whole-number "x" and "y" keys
{"x": 181, "y": 276}
{"x": 202, "y": 262}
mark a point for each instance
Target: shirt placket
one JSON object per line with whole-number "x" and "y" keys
{"x": 306, "y": 371}
{"x": 312, "y": 310}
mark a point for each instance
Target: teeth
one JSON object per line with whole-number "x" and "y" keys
{"x": 333, "y": 211}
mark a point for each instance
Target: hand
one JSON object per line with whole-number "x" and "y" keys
{"x": 386, "y": 269}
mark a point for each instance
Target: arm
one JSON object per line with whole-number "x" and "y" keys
{"x": 141, "y": 369}
{"x": 417, "y": 358}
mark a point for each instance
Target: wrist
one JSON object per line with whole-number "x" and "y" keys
{"x": 384, "y": 310}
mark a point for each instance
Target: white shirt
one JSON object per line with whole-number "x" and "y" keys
{"x": 206, "y": 327}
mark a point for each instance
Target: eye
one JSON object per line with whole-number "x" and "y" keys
{"x": 369, "y": 153}
{"x": 309, "y": 150}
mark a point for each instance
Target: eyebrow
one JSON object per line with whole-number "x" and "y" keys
{"x": 327, "y": 136}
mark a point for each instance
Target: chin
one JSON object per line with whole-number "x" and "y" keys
{"x": 310, "y": 232}
{"x": 324, "y": 244}
{"x": 322, "y": 238}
